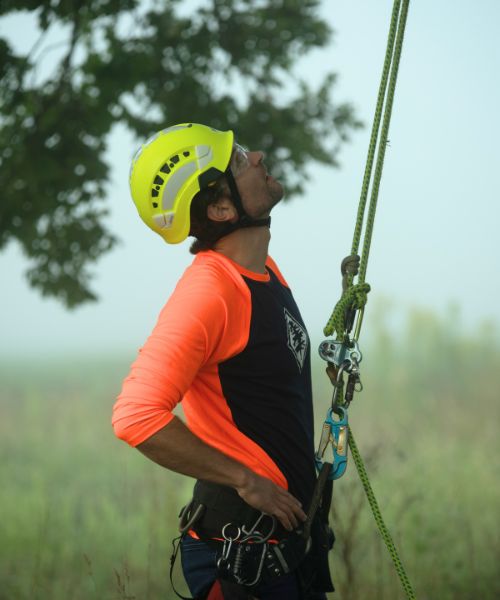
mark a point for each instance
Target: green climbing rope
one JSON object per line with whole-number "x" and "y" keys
{"x": 386, "y": 536}
{"x": 354, "y": 297}
{"x": 389, "y": 77}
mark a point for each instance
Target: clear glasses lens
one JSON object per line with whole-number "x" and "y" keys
{"x": 239, "y": 159}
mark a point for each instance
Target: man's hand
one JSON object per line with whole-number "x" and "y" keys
{"x": 264, "y": 495}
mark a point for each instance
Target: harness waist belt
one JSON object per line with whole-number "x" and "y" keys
{"x": 218, "y": 516}
{"x": 222, "y": 505}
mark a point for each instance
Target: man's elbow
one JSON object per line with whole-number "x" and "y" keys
{"x": 123, "y": 431}
{"x": 135, "y": 428}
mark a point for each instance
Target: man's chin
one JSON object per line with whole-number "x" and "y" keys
{"x": 275, "y": 188}
{"x": 277, "y": 192}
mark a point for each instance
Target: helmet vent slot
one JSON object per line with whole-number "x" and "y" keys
{"x": 173, "y": 163}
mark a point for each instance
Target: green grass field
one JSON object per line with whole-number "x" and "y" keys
{"x": 85, "y": 517}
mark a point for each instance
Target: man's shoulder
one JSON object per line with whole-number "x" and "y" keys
{"x": 211, "y": 276}
{"x": 214, "y": 268}
{"x": 211, "y": 298}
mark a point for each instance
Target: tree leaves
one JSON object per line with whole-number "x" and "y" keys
{"x": 228, "y": 64}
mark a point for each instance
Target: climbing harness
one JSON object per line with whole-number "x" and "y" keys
{"x": 342, "y": 353}
{"x": 252, "y": 547}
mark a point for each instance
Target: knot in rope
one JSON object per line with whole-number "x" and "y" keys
{"x": 354, "y": 298}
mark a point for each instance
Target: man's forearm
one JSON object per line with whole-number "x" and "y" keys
{"x": 175, "y": 447}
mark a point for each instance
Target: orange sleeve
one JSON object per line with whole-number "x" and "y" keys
{"x": 206, "y": 320}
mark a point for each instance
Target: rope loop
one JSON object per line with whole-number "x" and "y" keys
{"x": 354, "y": 298}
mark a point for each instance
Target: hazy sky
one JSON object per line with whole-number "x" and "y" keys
{"x": 436, "y": 232}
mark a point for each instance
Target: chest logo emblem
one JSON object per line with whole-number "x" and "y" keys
{"x": 298, "y": 341}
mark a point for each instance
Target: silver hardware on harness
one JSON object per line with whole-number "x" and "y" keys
{"x": 238, "y": 565}
{"x": 186, "y": 519}
{"x": 254, "y": 535}
{"x": 340, "y": 353}
{"x": 233, "y": 560}
{"x": 228, "y": 543}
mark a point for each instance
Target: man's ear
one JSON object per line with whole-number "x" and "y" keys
{"x": 222, "y": 210}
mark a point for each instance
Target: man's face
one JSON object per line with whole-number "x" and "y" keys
{"x": 258, "y": 190}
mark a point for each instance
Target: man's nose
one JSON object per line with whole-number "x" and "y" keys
{"x": 257, "y": 157}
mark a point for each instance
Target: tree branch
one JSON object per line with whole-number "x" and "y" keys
{"x": 66, "y": 63}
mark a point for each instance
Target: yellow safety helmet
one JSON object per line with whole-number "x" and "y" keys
{"x": 170, "y": 168}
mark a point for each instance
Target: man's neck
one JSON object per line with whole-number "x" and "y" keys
{"x": 247, "y": 247}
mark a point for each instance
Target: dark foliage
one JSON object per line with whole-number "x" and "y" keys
{"x": 147, "y": 66}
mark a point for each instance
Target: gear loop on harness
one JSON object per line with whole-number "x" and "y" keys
{"x": 187, "y": 518}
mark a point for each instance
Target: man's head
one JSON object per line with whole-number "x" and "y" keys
{"x": 194, "y": 180}
{"x": 214, "y": 212}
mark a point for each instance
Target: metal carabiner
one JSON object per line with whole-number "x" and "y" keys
{"x": 228, "y": 543}
{"x": 335, "y": 431}
{"x": 339, "y": 384}
{"x": 186, "y": 519}
{"x": 259, "y": 569}
{"x": 253, "y": 534}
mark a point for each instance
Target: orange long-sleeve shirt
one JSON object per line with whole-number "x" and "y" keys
{"x": 231, "y": 346}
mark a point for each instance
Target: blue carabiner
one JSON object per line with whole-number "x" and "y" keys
{"x": 338, "y": 436}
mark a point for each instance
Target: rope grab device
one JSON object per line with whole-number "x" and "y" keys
{"x": 341, "y": 351}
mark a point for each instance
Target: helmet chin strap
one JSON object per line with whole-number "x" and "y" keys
{"x": 244, "y": 219}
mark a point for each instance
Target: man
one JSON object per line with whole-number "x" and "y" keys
{"x": 230, "y": 343}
